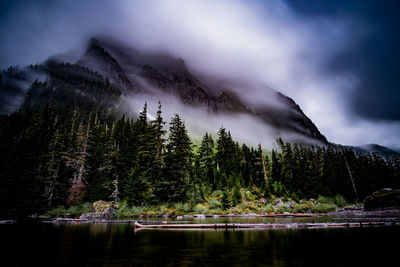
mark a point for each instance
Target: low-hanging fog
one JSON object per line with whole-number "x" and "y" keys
{"x": 255, "y": 43}
{"x": 245, "y": 128}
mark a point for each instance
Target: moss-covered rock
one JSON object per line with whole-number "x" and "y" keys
{"x": 103, "y": 210}
{"x": 101, "y": 205}
{"x": 386, "y": 198}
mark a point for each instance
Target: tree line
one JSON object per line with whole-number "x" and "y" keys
{"x": 51, "y": 157}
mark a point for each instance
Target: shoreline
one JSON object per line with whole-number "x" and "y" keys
{"x": 342, "y": 216}
{"x": 164, "y": 225}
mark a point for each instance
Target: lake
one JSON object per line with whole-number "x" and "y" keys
{"x": 45, "y": 244}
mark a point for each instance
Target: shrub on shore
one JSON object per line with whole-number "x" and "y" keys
{"x": 218, "y": 202}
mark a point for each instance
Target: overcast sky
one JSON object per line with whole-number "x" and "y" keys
{"x": 338, "y": 59}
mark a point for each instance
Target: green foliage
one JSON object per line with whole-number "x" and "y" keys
{"x": 225, "y": 201}
{"x": 182, "y": 208}
{"x": 277, "y": 188}
{"x": 323, "y": 208}
{"x": 236, "y": 196}
{"x": 214, "y": 203}
{"x": 66, "y": 144}
{"x": 57, "y": 212}
{"x": 338, "y": 200}
{"x": 325, "y": 200}
{"x": 302, "y": 208}
{"x": 100, "y": 206}
{"x": 200, "y": 209}
{"x": 126, "y": 211}
{"x": 282, "y": 209}
{"x": 178, "y": 163}
{"x": 73, "y": 211}
{"x": 217, "y": 193}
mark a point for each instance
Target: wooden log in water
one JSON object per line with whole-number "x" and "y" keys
{"x": 69, "y": 220}
{"x": 366, "y": 219}
{"x": 288, "y": 215}
{"x": 173, "y": 225}
{"x": 104, "y": 221}
{"x": 201, "y": 226}
{"x": 255, "y": 225}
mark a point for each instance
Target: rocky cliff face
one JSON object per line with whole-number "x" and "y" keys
{"x": 127, "y": 68}
{"x": 97, "y": 58}
{"x": 108, "y": 70}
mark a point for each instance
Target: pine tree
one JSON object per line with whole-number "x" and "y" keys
{"x": 101, "y": 147}
{"x": 226, "y": 157}
{"x": 112, "y": 167}
{"x": 158, "y": 125}
{"x": 53, "y": 186}
{"x": 142, "y": 174}
{"x": 178, "y": 159}
{"x": 205, "y": 159}
{"x": 236, "y": 196}
{"x": 124, "y": 136}
{"x": 158, "y": 161}
{"x": 226, "y": 203}
{"x": 276, "y": 166}
{"x": 259, "y": 168}
{"x": 78, "y": 161}
{"x": 246, "y": 166}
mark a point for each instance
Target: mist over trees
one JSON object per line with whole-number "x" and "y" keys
{"x": 52, "y": 157}
{"x": 70, "y": 142}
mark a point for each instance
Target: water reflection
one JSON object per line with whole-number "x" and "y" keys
{"x": 120, "y": 245}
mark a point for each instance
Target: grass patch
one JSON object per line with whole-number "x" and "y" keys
{"x": 73, "y": 211}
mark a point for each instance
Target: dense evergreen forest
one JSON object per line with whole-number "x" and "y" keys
{"x": 50, "y": 159}
{"x": 64, "y": 147}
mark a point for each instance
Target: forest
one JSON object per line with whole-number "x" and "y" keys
{"x": 74, "y": 140}
{"x": 51, "y": 158}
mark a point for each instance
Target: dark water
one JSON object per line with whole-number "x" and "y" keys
{"x": 120, "y": 245}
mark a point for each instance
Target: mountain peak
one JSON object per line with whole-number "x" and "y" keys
{"x": 126, "y": 66}
{"x": 93, "y": 42}
{"x": 97, "y": 58}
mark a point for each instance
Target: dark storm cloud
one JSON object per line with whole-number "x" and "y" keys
{"x": 337, "y": 59}
{"x": 375, "y": 58}
{"x": 31, "y": 31}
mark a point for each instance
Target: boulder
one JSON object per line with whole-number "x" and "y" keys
{"x": 103, "y": 210}
{"x": 108, "y": 213}
{"x": 291, "y": 204}
{"x": 101, "y": 205}
{"x": 385, "y": 198}
{"x": 278, "y": 203}
{"x": 90, "y": 216}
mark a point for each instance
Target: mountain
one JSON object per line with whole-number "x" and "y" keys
{"x": 374, "y": 148}
{"x": 73, "y": 137}
{"x": 113, "y": 76}
{"x": 137, "y": 71}
{"x": 97, "y": 58}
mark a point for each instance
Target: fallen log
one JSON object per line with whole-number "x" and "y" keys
{"x": 103, "y": 221}
{"x": 69, "y": 220}
{"x": 257, "y": 225}
{"x": 288, "y": 215}
{"x": 367, "y": 219}
{"x": 202, "y": 226}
